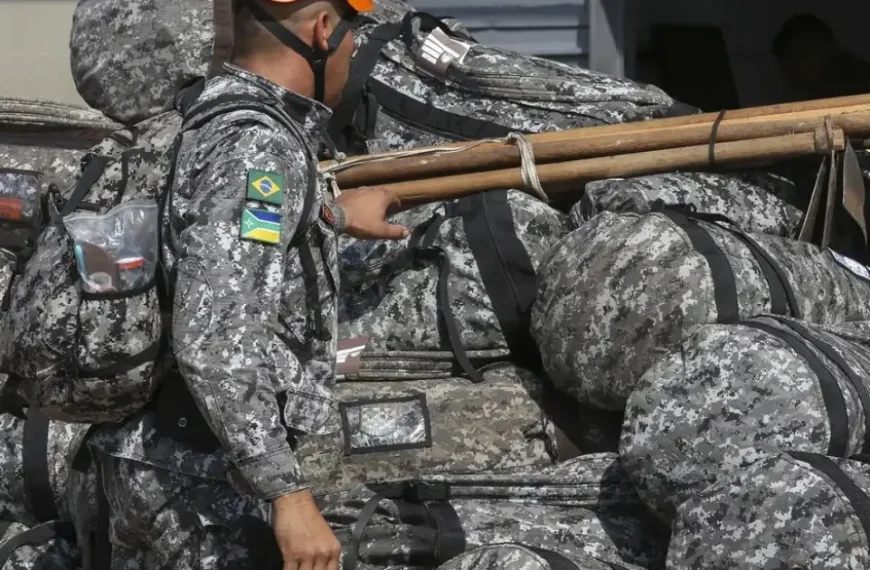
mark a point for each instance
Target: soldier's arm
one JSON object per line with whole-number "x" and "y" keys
{"x": 228, "y": 290}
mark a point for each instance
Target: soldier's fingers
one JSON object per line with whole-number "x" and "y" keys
{"x": 321, "y": 562}
{"x": 307, "y": 563}
{"x": 334, "y": 562}
{"x": 390, "y": 231}
{"x": 290, "y": 563}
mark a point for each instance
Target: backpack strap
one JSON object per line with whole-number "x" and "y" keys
{"x": 854, "y": 494}
{"x": 507, "y": 272}
{"x": 832, "y": 395}
{"x": 37, "y": 481}
{"x": 37, "y": 535}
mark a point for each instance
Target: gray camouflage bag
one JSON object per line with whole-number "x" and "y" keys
{"x": 731, "y": 393}
{"x": 418, "y": 80}
{"x": 755, "y": 201}
{"x": 624, "y": 289}
{"x": 83, "y": 335}
{"x": 787, "y": 511}
{"x": 585, "y": 507}
{"x": 455, "y": 295}
{"x": 35, "y": 455}
{"x": 507, "y": 556}
{"x": 130, "y": 58}
{"x": 401, "y": 429}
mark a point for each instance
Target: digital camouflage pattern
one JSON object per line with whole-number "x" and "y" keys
{"x": 582, "y": 507}
{"x": 731, "y": 393}
{"x": 129, "y": 58}
{"x": 62, "y": 442}
{"x": 782, "y": 513}
{"x": 624, "y": 289}
{"x": 755, "y": 201}
{"x": 57, "y": 554}
{"x": 517, "y": 91}
{"x": 518, "y": 557}
{"x": 50, "y": 324}
{"x": 389, "y": 293}
{"x": 239, "y": 293}
{"x": 443, "y": 425}
{"x": 49, "y": 138}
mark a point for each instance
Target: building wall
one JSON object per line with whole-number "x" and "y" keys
{"x": 34, "y": 43}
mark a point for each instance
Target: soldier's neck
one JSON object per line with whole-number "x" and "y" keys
{"x": 292, "y": 73}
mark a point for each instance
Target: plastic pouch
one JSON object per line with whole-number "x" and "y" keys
{"x": 20, "y": 208}
{"x": 116, "y": 252}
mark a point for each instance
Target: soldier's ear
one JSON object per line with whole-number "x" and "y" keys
{"x": 323, "y": 27}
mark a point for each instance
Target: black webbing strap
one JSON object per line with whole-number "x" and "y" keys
{"x": 834, "y": 356}
{"x": 37, "y": 481}
{"x": 37, "y": 535}
{"x": 93, "y": 170}
{"x": 427, "y": 115}
{"x": 724, "y": 281}
{"x": 854, "y": 494}
{"x": 782, "y": 297}
{"x": 436, "y": 514}
{"x": 832, "y": 395}
{"x": 422, "y": 244}
{"x": 364, "y": 61}
{"x": 506, "y": 269}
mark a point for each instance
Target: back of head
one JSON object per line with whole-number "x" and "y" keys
{"x": 801, "y": 27}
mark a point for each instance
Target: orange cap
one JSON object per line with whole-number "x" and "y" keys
{"x": 358, "y": 5}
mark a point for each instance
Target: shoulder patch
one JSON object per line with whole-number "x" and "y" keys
{"x": 261, "y": 225}
{"x": 851, "y": 265}
{"x": 265, "y": 187}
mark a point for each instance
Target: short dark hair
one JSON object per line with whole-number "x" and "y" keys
{"x": 799, "y": 25}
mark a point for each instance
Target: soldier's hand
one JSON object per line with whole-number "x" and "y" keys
{"x": 304, "y": 537}
{"x": 365, "y": 211}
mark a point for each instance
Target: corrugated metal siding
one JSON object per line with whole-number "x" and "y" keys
{"x": 547, "y": 28}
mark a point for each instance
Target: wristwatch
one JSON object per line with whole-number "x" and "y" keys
{"x": 333, "y": 215}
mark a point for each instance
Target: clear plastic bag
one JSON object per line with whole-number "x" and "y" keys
{"x": 116, "y": 252}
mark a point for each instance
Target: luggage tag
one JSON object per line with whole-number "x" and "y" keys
{"x": 98, "y": 272}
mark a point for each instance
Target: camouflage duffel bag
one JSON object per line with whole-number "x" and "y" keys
{"x": 455, "y": 295}
{"x": 732, "y": 393}
{"x": 756, "y": 201}
{"x": 624, "y": 289}
{"x": 507, "y": 556}
{"x": 585, "y": 507}
{"x": 401, "y": 429}
{"x": 788, "y": 511}
{"x": 421, "y": 80}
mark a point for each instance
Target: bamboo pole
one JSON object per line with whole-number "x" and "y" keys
{"x": 834, "y": 105}
{"x": 555, "y": 176}
{"x": 508, "y": 155}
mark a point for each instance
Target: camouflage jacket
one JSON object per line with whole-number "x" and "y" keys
{"x": 254, "y": 315}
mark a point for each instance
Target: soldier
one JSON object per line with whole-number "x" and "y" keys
{"x": 194, "y": 482}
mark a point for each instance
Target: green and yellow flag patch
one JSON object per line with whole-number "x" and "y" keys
{"x": 265, "y": 187}
{"x": 261, "y": 225}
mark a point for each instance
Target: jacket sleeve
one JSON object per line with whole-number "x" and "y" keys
{"x": 228, "y": 289}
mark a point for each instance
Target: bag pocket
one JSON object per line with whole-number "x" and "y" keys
{"x": 390, "y": 424}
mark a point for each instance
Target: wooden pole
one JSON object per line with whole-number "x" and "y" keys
{"x": 556, "y": 175}
{"x": 508, "y": 156}
{"x": 835, "y": 105}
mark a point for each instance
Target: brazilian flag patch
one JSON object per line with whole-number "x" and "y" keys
{"x": 261, "y": 225}
{"x": 265, "y": 187}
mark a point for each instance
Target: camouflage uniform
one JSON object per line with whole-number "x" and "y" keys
{"x": 787, "y": 511}
{"x": 585, "y": 507}
{"x": 731, "y": 393}
{"x": 253, "y": 332}
{"x": 57, "y": 554}
{"x": 755, "y": 201}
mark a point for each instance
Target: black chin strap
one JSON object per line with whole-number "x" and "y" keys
{"x": 315, "y": 57}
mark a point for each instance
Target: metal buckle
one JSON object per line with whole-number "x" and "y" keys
{"x": 438, "y": 51}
